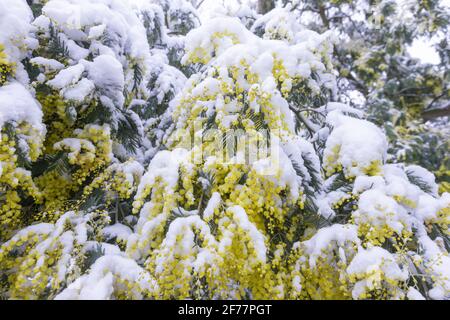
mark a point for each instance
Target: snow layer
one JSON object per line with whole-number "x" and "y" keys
{"x": 98, "y": 284}
{"x": 16, "y": 33}
{"x": 17, "y": 105}
{"x": 354, "y": 143}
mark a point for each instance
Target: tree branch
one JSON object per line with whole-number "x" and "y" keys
{"x": 435, "y": 113}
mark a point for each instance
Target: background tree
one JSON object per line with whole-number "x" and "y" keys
{"x": 398, "y": 91}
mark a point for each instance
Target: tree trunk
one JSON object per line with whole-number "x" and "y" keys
{"x": 265, "y": 6}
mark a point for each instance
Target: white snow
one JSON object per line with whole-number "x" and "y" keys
{"x": 15, "y": 35}
{"x": 374, "y": 259}
{"x": 258, "y": 239}
{"x": 98, "y": 283}
{"x": 341, "y": 235}
{"x": 358, "y": 142}
{"x": 212, "y": 205}
{"x": 67, "y": 77}
{"x": 164, "y": 165}
{"x": 48, "y": 64}
{"x": 117, "y": 230}
{"x": 79, "y": 91}
{"x": 377, "y": 209}
{"x": 17, "y": 105}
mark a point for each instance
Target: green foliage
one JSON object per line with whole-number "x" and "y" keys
{"x": 372, "y": 57}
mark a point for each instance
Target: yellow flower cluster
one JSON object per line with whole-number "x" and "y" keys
{"x": 89, "y": 152}
{"x": 14, "y": 264}
{"x": 378, "y": 285}
{"x": 125, "y": 289}
{"x": 378, "y": 234}
{"x": 260, "y": 197}
{"x": 204, "y": 55}
{"x": 241, "y": 260}
{"x": 404, "y": 201}
{"x": 237, "y": 261}
{"x": 176, "y": 276}
{"x": 332, "y": 165}
{"x": 236, "y": 268}
{"x": 58, "y": 126}
{"x": 321, "y": 276}
{"x": 281, "y": 75}
{"x": 324, "y": 281}
{"x": 115, "y": 181}
{"x": 331, "y": 162}
{"x": 235, "y": 100}
{"x": 443, "y": 219}
{"x": 6, "y": 68}
{"x": 122, "y": 186}
{"x": 40, "y": 268}
{"x": 161, "y": 202}
{"x": 373, "y": 169}
{"x": 15, "y": 181}
{"x": 280, "y": 32}
{"x": 40, "y": 259}
{"x": 346, "y": 199}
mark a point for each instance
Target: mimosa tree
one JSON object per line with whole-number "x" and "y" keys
{"x": 172, "y": 160}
